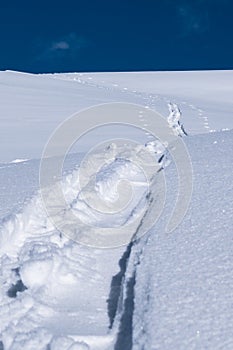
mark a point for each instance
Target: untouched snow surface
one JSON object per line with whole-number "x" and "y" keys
{"x": 162, "y": 291}
{"x": 183, "y": 281}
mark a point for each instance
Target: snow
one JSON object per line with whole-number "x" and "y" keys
{"x": 205, "y": 97}
{"x": 36, "y": 104}
{"x": 185, "y": 278}
{"x": 162, "y": 291}
{"x": 35, "y": 274}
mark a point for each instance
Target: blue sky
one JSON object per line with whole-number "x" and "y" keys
{"x": 116, "y": 35}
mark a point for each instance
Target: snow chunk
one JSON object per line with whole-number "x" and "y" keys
{"x": 35, "y": 274}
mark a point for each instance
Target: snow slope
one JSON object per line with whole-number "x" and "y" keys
{"x": 205, "y": 98}
{"x": 31, "y": 106}
{"x": 183, "y": 281}
{"x": 162, "y": 291}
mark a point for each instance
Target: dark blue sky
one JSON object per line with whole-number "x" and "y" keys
{"x": 116, "y": 35}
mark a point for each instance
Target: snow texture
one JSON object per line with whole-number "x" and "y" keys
{"x": 162, "y": 291}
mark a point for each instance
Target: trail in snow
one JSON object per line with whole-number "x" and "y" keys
{"x": 200, "y": 115}
{"x": 148, "y": 100}
{"x": 44, "y": 274}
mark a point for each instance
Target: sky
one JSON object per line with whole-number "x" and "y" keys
{"x": 115, "y": 35}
